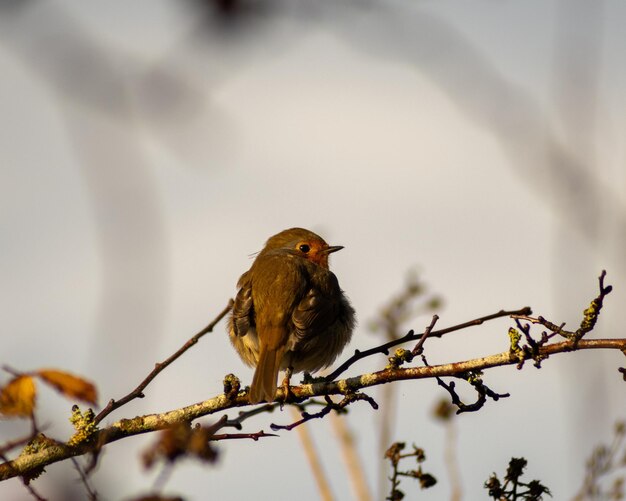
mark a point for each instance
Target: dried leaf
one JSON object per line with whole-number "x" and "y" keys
{"x": 71, "y": 386}
{"x": 17, "y": 398}
{"x": 180, "y": 440}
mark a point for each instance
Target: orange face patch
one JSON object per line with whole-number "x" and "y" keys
{"x": 315, "y": 251}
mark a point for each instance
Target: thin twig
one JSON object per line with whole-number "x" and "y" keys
{"x": 25, "y": 482}
{"x": 158, "y": 368}
{"x": 233, "y": 436}
{"x": 18, "y": 442}
{"x": 418, "y": 347}
{"x": 12, "y": 371}
{"x": 33, "y": 492}
{"x": 91, "y": 494}
{"x": 330, "y": 405}
{"x": 236, "y": 423}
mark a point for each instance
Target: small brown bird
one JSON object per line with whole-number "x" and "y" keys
{"x": 289, "y": 312}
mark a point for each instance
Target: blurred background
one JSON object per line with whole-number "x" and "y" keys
{"x": 148, "y": 148}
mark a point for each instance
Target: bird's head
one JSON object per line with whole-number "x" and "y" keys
{"x": 303, "y": 243}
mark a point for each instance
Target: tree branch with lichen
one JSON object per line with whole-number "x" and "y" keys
{"x": 90, "y": 436}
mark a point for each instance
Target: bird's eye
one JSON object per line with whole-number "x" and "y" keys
{"x": 304, "y": 248}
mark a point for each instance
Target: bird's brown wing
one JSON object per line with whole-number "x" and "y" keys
{"x": 314, "y": 314}
{"x": 243, "y": 309}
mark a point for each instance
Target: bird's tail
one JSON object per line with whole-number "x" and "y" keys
{"x": 263, "y": 387}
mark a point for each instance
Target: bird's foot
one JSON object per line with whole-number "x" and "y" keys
{"x": 288, "y": 395}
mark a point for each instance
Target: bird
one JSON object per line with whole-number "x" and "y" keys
{"x": 289, "y": 312}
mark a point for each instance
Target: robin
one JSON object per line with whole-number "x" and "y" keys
{"x": 289, "y": 313}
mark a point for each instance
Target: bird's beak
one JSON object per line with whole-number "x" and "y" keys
{"x": 332, "y": 248}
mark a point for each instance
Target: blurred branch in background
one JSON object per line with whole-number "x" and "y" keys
{"x": 605, "y": 475}
{"x": 313, "y": 458}
{"x": 444, "y": 412}
{"x": 352, "y": 457}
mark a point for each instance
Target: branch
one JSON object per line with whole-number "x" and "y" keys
{"x": 418, "y": 349}
{"x": 411, "y": 336}
{"x": 234, "y": 436}
{"x": 482, "y": 390}
{"x": 42, "y": 451}
{"x": 92, "y": 495}
{"x": 18, "y": 442}
{"x": 56, "y": 451}
{"x": 330, "y": 405}
{"x": 138, "y": 392}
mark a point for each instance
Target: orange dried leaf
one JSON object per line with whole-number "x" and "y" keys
{"x": 71, "y": 386}
{"x": 17, "y": 398}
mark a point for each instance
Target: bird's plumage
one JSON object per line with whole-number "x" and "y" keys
{"x": 289, "y": 310}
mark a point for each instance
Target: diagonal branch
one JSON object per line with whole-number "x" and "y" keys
{"x": 158, "y": 368}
